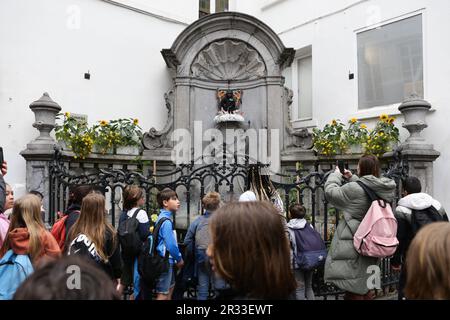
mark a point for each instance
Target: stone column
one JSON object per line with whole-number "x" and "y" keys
{"x": 40, "y": 151}
{"x": 275, "y": 117}
{"x": 419, "y": 154}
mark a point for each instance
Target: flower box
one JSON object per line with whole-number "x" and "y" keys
{"x": 99, "y": 150}
{"x": 128, "y": 150}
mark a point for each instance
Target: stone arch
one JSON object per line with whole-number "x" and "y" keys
{"x": 235, "y": 27}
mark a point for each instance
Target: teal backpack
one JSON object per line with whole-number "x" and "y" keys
{"x": 14, "y": 269}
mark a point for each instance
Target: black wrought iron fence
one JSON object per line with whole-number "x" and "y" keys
{"x": 230, "y": 178}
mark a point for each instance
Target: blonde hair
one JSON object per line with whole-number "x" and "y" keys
{"x": 92, "y": 223}
{"x": 26, "y": 213}
{"x": 428, "y": 263}
{"x": 211, "y": 201}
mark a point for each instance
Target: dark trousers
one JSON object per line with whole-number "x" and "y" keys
{"x": 402, "y": 283}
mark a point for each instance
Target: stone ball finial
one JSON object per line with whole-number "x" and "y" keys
{"x": 415, "y": 111}
{"x": 45, "y": 111}
{"x": 46, "y": 102}
{"x": 414, "y": 101}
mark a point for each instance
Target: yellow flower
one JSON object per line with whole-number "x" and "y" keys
{"x": 135, "y": 122}
{"x": 391, "y": 120}
{"x": 67, "y": 114}
{"x": 363, "y": 126}
{"x": 353, "y": 120}
{"x": 384, "y": 117}
{"x": 333, "y": 122}
{"x": 103, "y": 123}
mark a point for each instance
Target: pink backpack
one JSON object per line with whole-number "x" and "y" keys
{"x": 377, "y": 234}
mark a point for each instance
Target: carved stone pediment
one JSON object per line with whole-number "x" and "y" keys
{"x": 298, "y": 138}
{"x": 228, "y": 60}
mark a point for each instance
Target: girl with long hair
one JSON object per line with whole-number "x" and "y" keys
{"x": 27, "y": 233}
{"x": 94, "y": 237}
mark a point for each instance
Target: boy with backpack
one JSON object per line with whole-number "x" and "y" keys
{"x": 197, "y": 241}
{"x": 415, "y": 210}
{"x": 166, "y": 242}
{"x": 308, "y": 251}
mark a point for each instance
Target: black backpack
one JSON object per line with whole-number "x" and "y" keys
{"x": 150, "y": 264}
{"x": 128, "y": 232}
{"x": 420, "y": 218}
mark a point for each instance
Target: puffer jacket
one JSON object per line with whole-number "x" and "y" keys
{"x": 414, "y": 201}
{"x": 344, "y": 267}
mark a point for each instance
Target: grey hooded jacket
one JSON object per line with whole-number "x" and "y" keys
{"x": 344, "y": 267}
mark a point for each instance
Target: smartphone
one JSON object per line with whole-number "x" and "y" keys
{"x": 1, "y": 157}
{"x": 340, "y": 165}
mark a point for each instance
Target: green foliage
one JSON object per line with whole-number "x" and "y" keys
{"x": 105, "y": 135}
{"x": 330, "y": 140}
{"x": 382, "y": 136}
{"x": 76, "y": 134}
{"x": 335, "y": 139}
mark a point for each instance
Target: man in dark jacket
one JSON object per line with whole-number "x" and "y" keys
{"x": 413, "y": 199}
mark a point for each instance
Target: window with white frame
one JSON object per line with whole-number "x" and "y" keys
{"x": 390, "y": 63}
{"x": 299, "y": 78}
{"x": 212, "y": 6}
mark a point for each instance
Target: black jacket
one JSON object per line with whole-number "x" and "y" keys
{"x": 403, "y": 213}
{"x": 113, "y": 267}
{"x": 73, "y": 212}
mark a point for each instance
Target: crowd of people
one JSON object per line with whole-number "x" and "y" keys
{"x": 236, "y": 250}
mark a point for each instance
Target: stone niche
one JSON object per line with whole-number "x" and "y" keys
{"x": 220, "y": 52}
{"x": 223, "y": 53}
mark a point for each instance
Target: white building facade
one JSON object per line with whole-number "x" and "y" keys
{"x": 353, "y": 59}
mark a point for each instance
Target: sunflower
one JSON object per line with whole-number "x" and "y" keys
{"x": 334, "y": 122}
{"x": 135, "y": 122}
{"x": 353, "y": 120}
{"x": 384, "y": 117}
{"x": 67, "y": 114}
{"x": 363, "y": 126}
{"x": 391, "y": 120}
{"x": 103, "y": 123}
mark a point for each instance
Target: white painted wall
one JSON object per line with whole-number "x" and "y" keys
{"x": 185, "y": 11}
{"x": 121, "y": 48}
{"x": 48, "y": 45}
